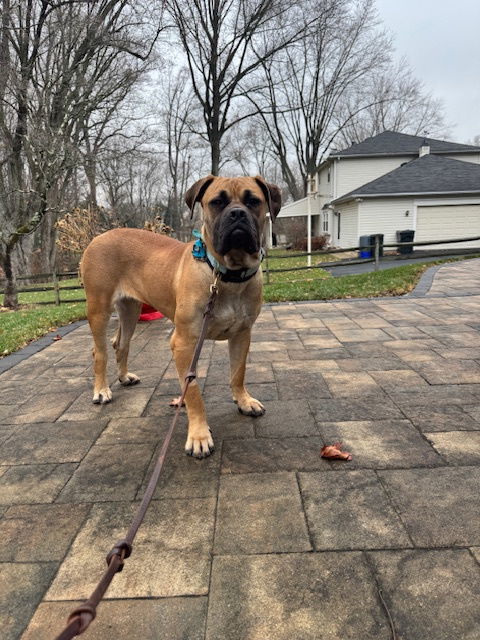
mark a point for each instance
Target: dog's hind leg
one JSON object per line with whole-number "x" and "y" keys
{"x": 98, "y": 317}
{"x": 128, "y": 312}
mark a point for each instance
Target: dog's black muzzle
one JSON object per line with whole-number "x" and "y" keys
{"x": 236, "y": 228}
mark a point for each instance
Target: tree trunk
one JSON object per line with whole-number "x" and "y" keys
{"x": 90, "y": 168}
{"x": 215, "y": 155}
{"x": 10, "y": 297}
{"x": 45, "y": 247}
{"x": 287, "y": 174}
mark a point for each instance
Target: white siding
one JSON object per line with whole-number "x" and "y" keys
{"x": 387, "y": 216}
{"x": 325, "y": 187}
{"x": 355, "y": 172}
{"x": 299, "y": 208}
{"x": 448, "y": 221}
{"x": 470, "y": 157}
{"x": 348, "y": 225}
{"x": 352, "y": 173}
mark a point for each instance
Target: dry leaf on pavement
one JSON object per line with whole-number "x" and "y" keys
{"x": 334, "y": 451}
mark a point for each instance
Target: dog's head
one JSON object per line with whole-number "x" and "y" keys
{"x": 234, "y": 214}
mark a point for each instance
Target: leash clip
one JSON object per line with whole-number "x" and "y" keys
{"x": 214, "y": 285}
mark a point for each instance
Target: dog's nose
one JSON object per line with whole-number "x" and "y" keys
{"x": 236, "y": 214}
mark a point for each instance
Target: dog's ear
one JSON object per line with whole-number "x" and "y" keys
{"x": 196, "y": 191}
{"x": 272, "y": 194}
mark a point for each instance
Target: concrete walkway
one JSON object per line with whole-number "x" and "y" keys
{"x": 264, "y": 540}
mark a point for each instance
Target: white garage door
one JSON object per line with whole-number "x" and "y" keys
{"x": 448, "y": 221}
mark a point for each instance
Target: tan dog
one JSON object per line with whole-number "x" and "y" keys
{"x": 123, "y": 268}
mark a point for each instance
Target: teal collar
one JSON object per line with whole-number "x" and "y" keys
{"x": 200, "y": 252}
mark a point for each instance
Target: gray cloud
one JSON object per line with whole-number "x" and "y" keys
{"x": 441, "y": 41}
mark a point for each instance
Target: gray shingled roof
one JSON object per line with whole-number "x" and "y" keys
{"x": 426, "y": 175}
{"x": 392, "y": 143}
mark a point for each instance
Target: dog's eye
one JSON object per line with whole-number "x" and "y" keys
{"x": 253, "y": 202}
{"x": 216, "y": 202}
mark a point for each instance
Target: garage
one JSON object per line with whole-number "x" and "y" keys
{"x": 439, "y": 222}
{"x": 438, "y": 197}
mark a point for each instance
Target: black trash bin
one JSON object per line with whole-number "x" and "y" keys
{"x": 380, "y": 242}
{"x": 405, "y": 236}
{"x": 365, "y": 249}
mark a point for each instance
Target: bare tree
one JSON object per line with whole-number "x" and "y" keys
{"x": 115, "y": 118}
{"x": 55, "y": 55}
{"x": 132, "y": 182}
{"x": 475, "y": 141}
{"x": 224, "y": 43}
{"x": 178, "y": 118}
{"x": 249, "y": 150}
{"x": 305, "y": 87}
{"x": 401, "y": 104}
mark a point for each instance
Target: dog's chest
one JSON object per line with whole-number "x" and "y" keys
{"x": 229, "y": 317}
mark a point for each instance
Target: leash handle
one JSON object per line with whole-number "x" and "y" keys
{"x": 81, "y": 617}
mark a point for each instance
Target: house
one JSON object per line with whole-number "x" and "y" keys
{"x": 394, "y": 181}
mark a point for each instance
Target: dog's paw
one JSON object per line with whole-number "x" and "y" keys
{"x": 129, "y": 379}
{"x": 250, "y": 407}
{"x": 103, "y": 396}
{"x": 200, "y": 446}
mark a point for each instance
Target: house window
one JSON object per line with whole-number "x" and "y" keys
{"x": 328, "y": 176}
{"x": 338, "y": 225}
{"x": 325, "y": 222}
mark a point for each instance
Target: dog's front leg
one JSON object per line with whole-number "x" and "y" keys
{"x": 238, "y": 346}
{"x": 199, "y": 439}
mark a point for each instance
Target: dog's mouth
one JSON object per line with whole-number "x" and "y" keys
{"x": 241, "y": 238}
{"x": 236, "y": 238}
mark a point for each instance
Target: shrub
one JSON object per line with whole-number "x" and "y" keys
{"x": 318, "y": 243}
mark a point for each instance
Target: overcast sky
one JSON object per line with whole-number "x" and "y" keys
{"x": 441, "y": 40}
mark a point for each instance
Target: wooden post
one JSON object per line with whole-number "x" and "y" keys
{"x": 267, "y": 271}
{"x": 377, "y": 252}
{"x": 56, "y": 288}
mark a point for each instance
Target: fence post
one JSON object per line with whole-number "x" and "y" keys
{"x": 377, "y": 251}
{"x": 56, "y": 287}
{"x": 267, "y": 271}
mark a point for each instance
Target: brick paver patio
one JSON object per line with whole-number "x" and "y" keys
{"x": 264, "y": 540}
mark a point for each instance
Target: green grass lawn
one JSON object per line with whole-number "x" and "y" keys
{"x": 17, "y": 328}
{"x": 275, "y": 262}
{"x": 32, "y": 297}
{"x": 390, "y": 282}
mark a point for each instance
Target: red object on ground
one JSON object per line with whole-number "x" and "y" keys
{"x": 149, "y": 313}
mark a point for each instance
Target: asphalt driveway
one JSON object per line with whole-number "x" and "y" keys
{"x": 387, "y": 262}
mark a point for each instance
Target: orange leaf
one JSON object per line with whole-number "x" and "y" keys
{"x": 334, "y": 451}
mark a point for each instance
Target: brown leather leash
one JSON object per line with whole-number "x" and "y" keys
{"x": 82, "y": 616}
